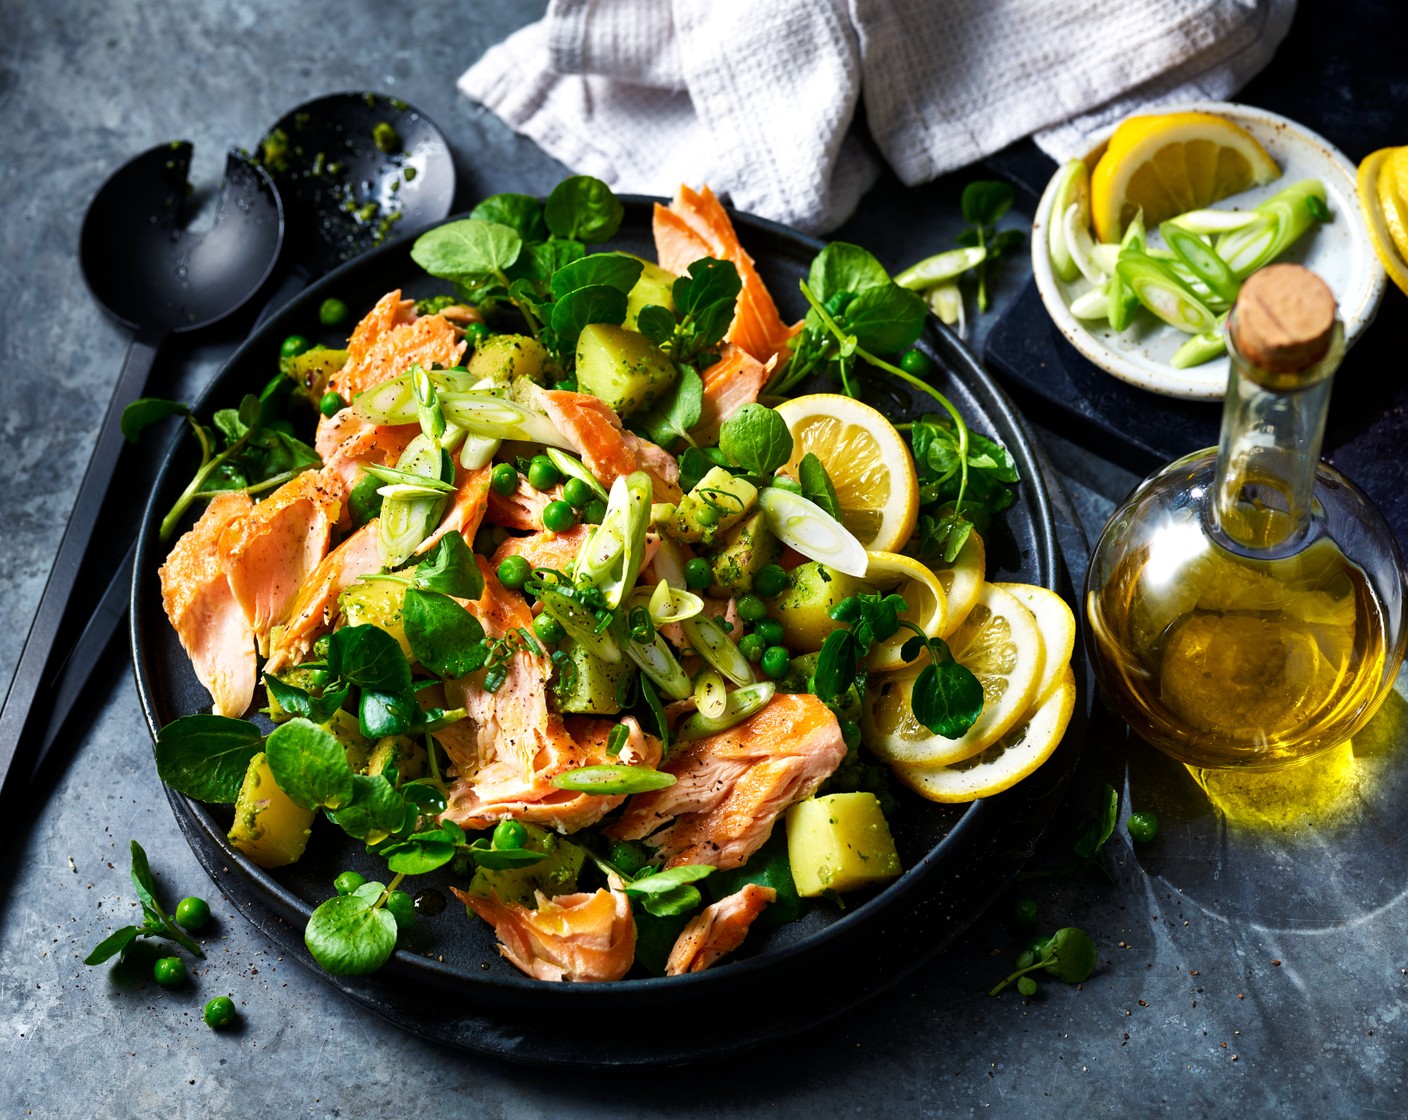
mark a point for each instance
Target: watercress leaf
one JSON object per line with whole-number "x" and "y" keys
{"x": 369, "y": 657}
{"x": 364, "y": 502}
{"x": 817, "y": 485}
{"x": 538, "y": 263}
{"x": 503, "y": 859}
{"x": 757, "y": 439}
{"x": 990, "y": 456}
{"x": 595, "y": 303}
{"x": 584, "y": 209}
{"x": 1070, "y": 955}
{"x": 309, "y": 764}
{"x": 912, "y": 647}
{"x": 114, "y": 943}
{"x": 709, "y": 297}
{"x": 299, "y": 702}
{"x": 520, "y": 212}
{"x": 420, "y": 856}
{"x": 655, "y": 322}
{"x": 677, "y": 900}
{"x": 655, "y": 882}
{"x": 382, "y": 713}
{"x": 373, "y": 806}
{"x": 612, "y": 270}
{"x": 696, "y": 462}
{"x": 886, "y": 319}
{"x": 348, "y": 937}
{"x": 205, "y": 756}
{"x": 145, "y": 411}
{"x": 675, "y": 413}
{"x": 947, "y": 699}
{"x": 445, "y": 638}
{"x": 450, "y": 568}
{"x": 228, "y": 423}
{"x": 1100, "y": 828}
{"x": 835, "y": 666}
{"x": 470, "y": 251}
{"x": 984, "y": 201}
{"x": 144, "y": 884}
{"x": 843, "y": 267}
{"x": 1004, "y": 239}
{"x": 968, "y": 238}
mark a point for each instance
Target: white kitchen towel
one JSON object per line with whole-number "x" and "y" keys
{"x": 787, "y": 105}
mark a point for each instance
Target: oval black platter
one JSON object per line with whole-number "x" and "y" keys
{"x": 446, "y": 981}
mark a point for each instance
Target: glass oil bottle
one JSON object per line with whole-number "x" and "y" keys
{"x": 1246, "y": 602}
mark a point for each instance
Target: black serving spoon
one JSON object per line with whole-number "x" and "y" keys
{"x": 153, "y": 275}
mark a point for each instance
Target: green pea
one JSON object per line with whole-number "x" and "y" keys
{"x": 503, "y": 479}
{"x": 770, "y": 630}
{"x": 776, "y": 662}
{"x": 332, "y": 312}
{"x": 752, "y": 609}
{"x": 220, "y": 1012}
{"x": 707, "y": 515}
{"x": 752, "y": 647}
{"x": 293, "y": 345}
{"x": 697, "y": 574}
{"x": 548, "y": 629}
{"x": 514, "y": 572}
{"x": 577, "y": 492}
{"x": 477, "y": 333}
{"x": 170, "y": 972}
{"x": 594, "y": 512}
{"x": 348, "y": 882}
{"x": 510, "y": 835}
{"x": 402, "y": 907}
{"x": 916, "y": 362}
{"x": 542, "y": 475}
{"x": 559, "y": 516}
{"x": 1143, "y": 827}
{"x": 192, "y": 912}
{"x": 331, "y": 404}
{"x": 771, "y": 581}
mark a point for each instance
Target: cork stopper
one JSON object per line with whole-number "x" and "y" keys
{"x": 1284, "y": 318}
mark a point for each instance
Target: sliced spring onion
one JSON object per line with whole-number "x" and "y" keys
{"x": 406, "y": 490}
{"x": 742, "y": 703}
{"x": 710, "y": 695}
{"x": 581, "y": 624}
{"x": 1282, "y": 218}
{"x": 572, "y": 467}
{"x": 668, "y": 604}
{"x": 1079, "y": 242}
{"x": 1201, "y": 347}
{"x": 487, "y": 415}
{"x": 1094, "y": 304}
{"x": 1160, "y": 290}
{"x": 394, "y": 401}
{"x": 805, "y": 526}
{"x": 940, "y": 268}
{"x": 612, "y": 779}
{"x": 946, "y": 301}
{"x": 658, "y": 662}
{"x": 669, "y": 560}
{"x": 610, "y": 559}
{"x": 1207, "y": 222}
{"x": 1072, "y": 189}
{"x": 1121, "y": 298}
{"x": 1105, "y": 257}
{"x": 407, "y": 520}
{"x": 394, "y": 476}
{"x": 478, "y": 451}
{"x": 1205, "y": 264}
{"x": 711, "y": 642}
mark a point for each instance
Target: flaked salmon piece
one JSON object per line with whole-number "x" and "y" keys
{"x": 731, "y": 786}
{"x": 348, "y": 444}
{"x": 269, "y": 551}
{"x": 389, "y": 340}
{"x": 314, "y": 608}
{"x": 577, "y": 937}
{"x": 466, "y": 510}
{"x": 717, "y": 930}
{"x": 662, "y": 467}
{"x": 211, "y": 625}
{"x": 545, "y": 549}
{"x": 523, "y": 508}
{"x": 606, "y": 448}
{"x": 734, "y": 380}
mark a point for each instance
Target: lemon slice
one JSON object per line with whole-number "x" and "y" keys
{"x": 921, "y": 589}
{"x": 962, "y": 582}
{"x": 1169, "y": 163}
{"x": 1058, "y": 630}
{"x": 867, "y": 459}
{"x": 1383, "y": 198}
{"x": 1002, "y": 765}
{"x": 1000, "y": 643}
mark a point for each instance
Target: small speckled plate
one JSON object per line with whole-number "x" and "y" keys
{"x": 1338, "y": 250}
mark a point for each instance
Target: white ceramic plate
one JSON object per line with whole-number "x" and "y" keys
{"x": 1338, "y": 250}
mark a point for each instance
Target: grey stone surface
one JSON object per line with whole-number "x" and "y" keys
{"x": 1240, "y": 972}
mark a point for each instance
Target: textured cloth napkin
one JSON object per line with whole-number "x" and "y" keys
{"x": 787, "y": 105}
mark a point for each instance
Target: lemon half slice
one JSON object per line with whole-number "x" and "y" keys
{"x": 1383, "y": 198}
{"x": 1057, "y": 624}
{"x": 963, "y": 581}
{"x": 921, "y": 589}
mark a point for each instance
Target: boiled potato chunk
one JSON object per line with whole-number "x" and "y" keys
{"x": 590, "y": 686}
{"x": 804, "y": 609}
{"x": 718, "y": 502}
{"x": 749, "y": 546}
{"x": 312, "y": 369}
{"x": 621, "y": 367}
{"x": 506, "y": 358}
{"x": 269, "y": 828}
{"x": 839, "y": 843}
{"x": 557, "y": 874}
{"x": 400, "y": 751}
{"x": 655, "y": 286}
{"x": 379, "y": 603}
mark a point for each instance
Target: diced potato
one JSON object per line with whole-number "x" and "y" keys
{"x": 269, "y": 828}
{"x": 839, "y": 843}
{"x": 400, "y": 751}
{"x": 507, "y": 358}
{"x": 312, "y": 369}
{"x": 592, "y": 686}
{"x": 345, "y": 726}
{"x": 655, "y": 286}
{"x": 804, "y": 609}
{"x": 378, "y": 603}
{"x": 728, "y": 499}
{"x": 750, "y": 546}
{"x": 622, "y": 367}
{"x": 557, "y": 874}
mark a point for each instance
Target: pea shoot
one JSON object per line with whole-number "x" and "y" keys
{"x": 1068, "y": 954}
{"x": 156, "y": 922}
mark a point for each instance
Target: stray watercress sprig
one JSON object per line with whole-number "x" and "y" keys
{"x": 156, "y": 923}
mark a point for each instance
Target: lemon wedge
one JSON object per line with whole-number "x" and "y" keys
{"x": 1000, "y": 644}
{"x": 921, "y": 589}
{"x": 1057, "y": 624}
{"x": 1169, "y": 163}
{"x": 868, "y": 461}
{"x": 962, "y": 582}
{"x": 1383, "y": 198}
{"x": 1014, "y": 756}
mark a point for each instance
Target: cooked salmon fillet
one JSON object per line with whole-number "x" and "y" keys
{"x": 607, "y": 449}
{"x": 523, "y": 507}
{"x": 717, "y": 930}
{"x": 390, "y": 339}
{"x": 466, "y": 510}
{"x": 346, "y": 443}
{"x": 212, "y": 627}
{"x": 577, "y": 937}
{"x": 545, "y": 549}
{"x": 731, "y": 786}
{"x": 734, "y": 380}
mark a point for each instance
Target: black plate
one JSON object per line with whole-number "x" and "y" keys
{"x": 446, "y": 981}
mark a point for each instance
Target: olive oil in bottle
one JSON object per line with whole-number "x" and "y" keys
{"x": 1246, "y": 602}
